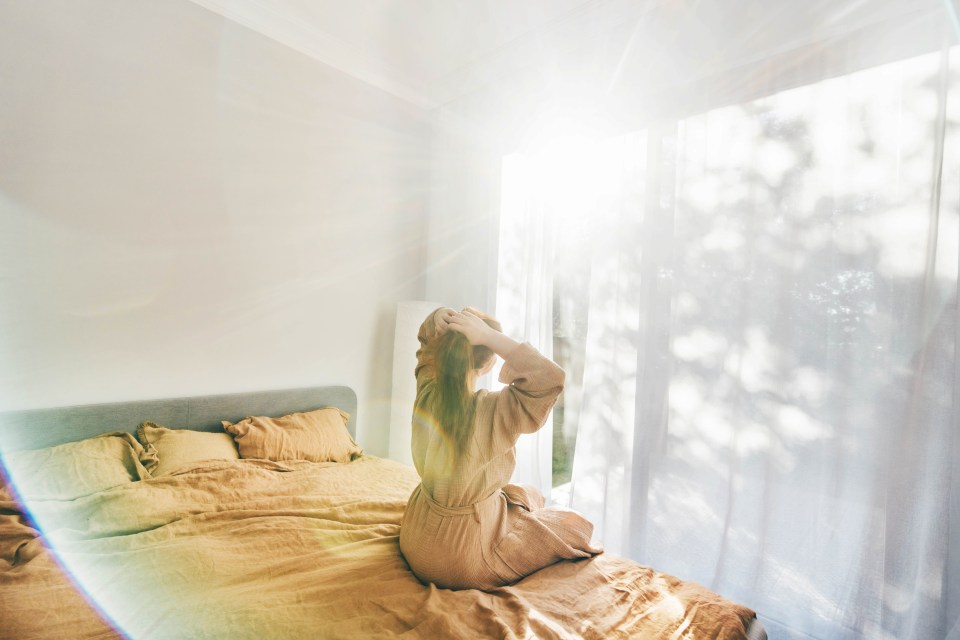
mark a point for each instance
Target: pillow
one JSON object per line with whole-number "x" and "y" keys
{"x": 177, "y": 448}
{"x": 317, "y": 436}
{"x": 76, "y": 469}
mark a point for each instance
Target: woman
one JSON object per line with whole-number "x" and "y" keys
{"x": 464, "y": 526}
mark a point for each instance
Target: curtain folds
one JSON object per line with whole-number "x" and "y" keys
{"x": 757, "y": 306}
{"x": 525, "y": 299}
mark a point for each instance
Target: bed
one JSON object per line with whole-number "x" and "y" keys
{"x": 117, "y": 539}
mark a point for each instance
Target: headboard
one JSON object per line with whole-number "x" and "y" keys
{"x": 37, "y": 428}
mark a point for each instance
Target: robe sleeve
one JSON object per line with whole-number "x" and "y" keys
{"x": 534, "y": 383}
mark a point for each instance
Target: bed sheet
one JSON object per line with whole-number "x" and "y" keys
{"x": 254, "y": 549}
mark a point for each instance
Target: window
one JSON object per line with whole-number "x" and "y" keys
{"x": 756, "y": 310}
{"x": 552, "y": 206}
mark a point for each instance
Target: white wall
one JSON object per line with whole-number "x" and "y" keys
{"x": 464, "y": 212}
{"x": 187, "y": 207}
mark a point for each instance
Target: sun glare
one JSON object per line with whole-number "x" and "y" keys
{"x": 565, "y": 175}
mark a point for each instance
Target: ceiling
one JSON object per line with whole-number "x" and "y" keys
{"x": 430, "y": 52}
{"x": 422, "y": 50}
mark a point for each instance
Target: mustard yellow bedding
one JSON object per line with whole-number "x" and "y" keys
{"x": 258, "y": 549}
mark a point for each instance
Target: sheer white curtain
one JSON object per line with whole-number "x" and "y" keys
{"x": 768, "y": 401}
{"x": 524, "y": 299}
{"x": 804, "y": 456}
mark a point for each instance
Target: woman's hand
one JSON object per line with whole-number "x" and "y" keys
{"x": 471, "y": 325}
{"x": 478, "y": 313}
{"x": 442, "y": 319}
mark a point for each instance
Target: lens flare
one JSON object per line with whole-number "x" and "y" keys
{"x": 46, "y": 526}
{"x": 424, "y": 421}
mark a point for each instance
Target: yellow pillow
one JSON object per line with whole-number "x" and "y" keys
{"x": 177, "y": 448}
{"x": 76, "y": 469}
{"x": 317, "y": 436}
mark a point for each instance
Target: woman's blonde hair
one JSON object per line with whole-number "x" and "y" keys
{"x": 451, "y": 403}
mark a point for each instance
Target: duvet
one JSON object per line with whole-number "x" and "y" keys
{"x": 258, "y": 549}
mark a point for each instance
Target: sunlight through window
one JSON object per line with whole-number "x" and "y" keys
{"x": 744, "y": 301}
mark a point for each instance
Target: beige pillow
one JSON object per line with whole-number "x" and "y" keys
{"x": 76, "y": 469}
{"x": 317, "y": 436}
{"x": 180, "y": 447}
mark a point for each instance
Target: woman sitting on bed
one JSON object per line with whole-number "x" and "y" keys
{"x": 464, "y": 525}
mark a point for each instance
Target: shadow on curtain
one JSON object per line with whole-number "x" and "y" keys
{"x": 756, "y": 306}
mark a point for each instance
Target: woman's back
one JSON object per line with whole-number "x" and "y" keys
{"x": 464, "y": 525}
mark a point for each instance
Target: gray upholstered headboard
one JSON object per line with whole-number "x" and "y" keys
{"x": 37, "y": 428}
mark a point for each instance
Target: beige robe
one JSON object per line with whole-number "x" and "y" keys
{"x": 464, "y": 525}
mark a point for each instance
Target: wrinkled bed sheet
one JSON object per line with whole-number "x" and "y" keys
{"x": 253, "y": 549}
